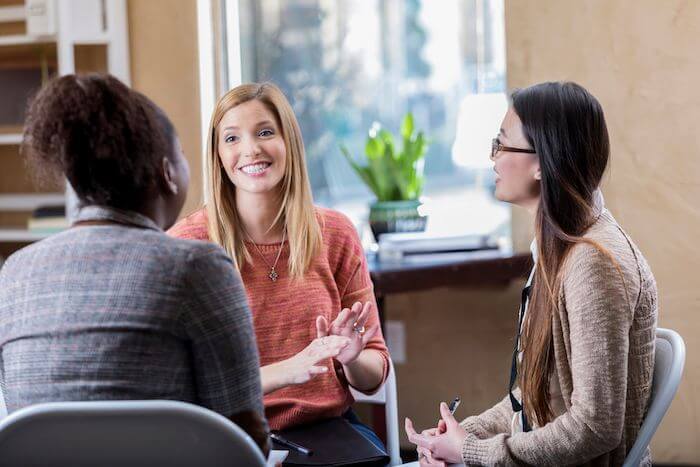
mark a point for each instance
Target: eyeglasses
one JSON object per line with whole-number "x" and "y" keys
{"x": 496, "y": 146}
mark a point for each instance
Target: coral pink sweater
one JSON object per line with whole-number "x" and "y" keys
{"x": 285, "y": 311}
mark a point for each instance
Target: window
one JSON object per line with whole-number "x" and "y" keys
{"x": 345, "y": 64}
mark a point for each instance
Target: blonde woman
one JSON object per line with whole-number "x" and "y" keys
{"x": 303, "y": 267}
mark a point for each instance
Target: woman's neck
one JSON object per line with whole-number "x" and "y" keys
{"x": 257, "y": 213}
{"x": 530, "y": 205}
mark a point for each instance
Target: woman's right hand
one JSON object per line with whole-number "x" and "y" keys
{"x": 303, "y": 366}
{"x": 425, "y": 457}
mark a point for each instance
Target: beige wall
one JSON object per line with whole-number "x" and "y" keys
{"x": 164, "y": 66}
{"x": 641, "y": 59}
{"x": 458, "y": 343}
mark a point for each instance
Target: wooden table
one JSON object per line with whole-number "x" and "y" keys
{"x": 484, "y": 268}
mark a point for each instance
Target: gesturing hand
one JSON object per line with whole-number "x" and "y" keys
{"x": 303, "y": 366}
{"x": 349, "y": 323}
{"x": 437, "y": 445}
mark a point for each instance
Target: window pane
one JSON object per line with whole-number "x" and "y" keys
{"x": 345, "y": 64}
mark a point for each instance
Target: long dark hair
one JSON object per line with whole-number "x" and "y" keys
{"x": 564, "y": 123}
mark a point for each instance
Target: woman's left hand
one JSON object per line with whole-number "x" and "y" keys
{"x": 445, "y": 446}
{"x": 350, "y": 323}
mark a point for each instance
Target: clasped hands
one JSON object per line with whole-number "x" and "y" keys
{"x": 441, "y": 445}
{"x": 343, "y": 339}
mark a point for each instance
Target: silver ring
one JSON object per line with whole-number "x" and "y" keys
{"x": 359, "y": 330}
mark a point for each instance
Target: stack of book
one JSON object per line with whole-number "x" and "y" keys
{"x": 48, "y": 219}
{"x": 396, "y": 246}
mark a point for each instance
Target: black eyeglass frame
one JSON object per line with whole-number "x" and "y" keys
{"x": 496, "y": 146}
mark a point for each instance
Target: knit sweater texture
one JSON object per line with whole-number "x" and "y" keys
{"x": 285, "y": 311}
{"x": 603, "y": 340}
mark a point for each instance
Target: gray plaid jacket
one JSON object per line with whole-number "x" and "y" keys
{"x": 122, "y": 311}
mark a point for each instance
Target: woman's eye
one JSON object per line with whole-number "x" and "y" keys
{"x": 230, "y": 138}
{"x": 266, "y": 132}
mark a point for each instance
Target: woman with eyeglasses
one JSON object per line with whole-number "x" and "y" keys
{"x": 584, "y": 350}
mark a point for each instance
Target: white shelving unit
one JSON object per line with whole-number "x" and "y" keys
{"x": 12, "y": 13}
{"x": 10, "y": 139}
{"x": 23, "y": 40}
{"x": 21, "y": 235}
{"x": 20, "y": 202}
{"x": 67, "y": 24}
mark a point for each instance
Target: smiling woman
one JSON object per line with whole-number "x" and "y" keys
{"x": 303, "y": 267}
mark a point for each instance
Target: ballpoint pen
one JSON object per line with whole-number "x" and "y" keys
{"x": 291, "y": 444}
{"x": 454, "y": 404}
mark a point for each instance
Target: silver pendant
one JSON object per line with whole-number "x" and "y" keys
{"x": 273, "y": 275}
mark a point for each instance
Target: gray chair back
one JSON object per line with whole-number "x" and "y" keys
{"x": 119, "y": 433}
{"x": 668, "y": 368}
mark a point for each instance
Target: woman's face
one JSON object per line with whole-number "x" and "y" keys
{"x": 251, "y": 148}
{"x": 517, "y": 174}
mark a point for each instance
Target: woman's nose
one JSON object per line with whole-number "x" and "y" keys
{"x": 250, "y": 147}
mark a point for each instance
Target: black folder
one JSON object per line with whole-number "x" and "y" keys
{"x": 334, "y": 442}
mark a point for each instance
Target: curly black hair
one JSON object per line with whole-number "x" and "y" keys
{"x": 106, "y": 139}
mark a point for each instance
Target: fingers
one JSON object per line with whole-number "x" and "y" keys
{"x": 427, "y": 460}
{"x": 364, "y": 314}
{"x": 408, "y": 425}
{"x": 340, "y": 320}
{"x": 430, "y": 432}
{"x": 369, "y": 334}
{"x": 425, "y": 457}
{"x": 352, "y": 315}
{"x": 442, "y": 426}
{"x": 303, "y": 375}
{"x": 326, "y": 347}
{"x": 447, "y": 416}
{"x": 321, "y": 326}
{"x": 317, "y": 370}
{"x": 415, "y": 438}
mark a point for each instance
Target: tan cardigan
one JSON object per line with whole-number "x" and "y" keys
{"x": 604, "y": 359}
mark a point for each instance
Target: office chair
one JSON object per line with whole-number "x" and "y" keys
{"x": 668, "y": 369}
{"x": 118, "y": 433}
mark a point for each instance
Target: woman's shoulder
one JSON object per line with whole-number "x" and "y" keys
{"x": 607, "y": 233}
{"x": 192, "y": 226}
{"x": 608, "y": 242}
{"x": 335, "y": 225}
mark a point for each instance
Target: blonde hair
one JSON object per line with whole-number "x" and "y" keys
{"x": 296, "y": 212}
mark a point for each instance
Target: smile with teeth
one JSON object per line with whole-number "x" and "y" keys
{"x": 256, "y": 168}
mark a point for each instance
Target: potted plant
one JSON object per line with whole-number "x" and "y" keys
{"x": 395, "y": 177}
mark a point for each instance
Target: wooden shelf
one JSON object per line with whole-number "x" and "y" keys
{"x": 29, "y": 201}
{"x": 21, "y": 235}
{"x": 11, "y": 14}
{"x": 10, "y": 139}
{"x": 21, "y": 40}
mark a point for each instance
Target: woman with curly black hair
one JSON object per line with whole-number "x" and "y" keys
{"x": 112, "y": 308}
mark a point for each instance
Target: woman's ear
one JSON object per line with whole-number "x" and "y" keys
{"x": 537, "y": 171}
{"x": 169, "y": 176}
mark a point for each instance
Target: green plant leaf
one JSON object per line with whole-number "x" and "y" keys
{"x": 364, "y": 173}
{"x": 392, "y": 174}
{"x": 382, "y": 176}
{"x": 374, "y": 148}
{"x": 407, "y": 126}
